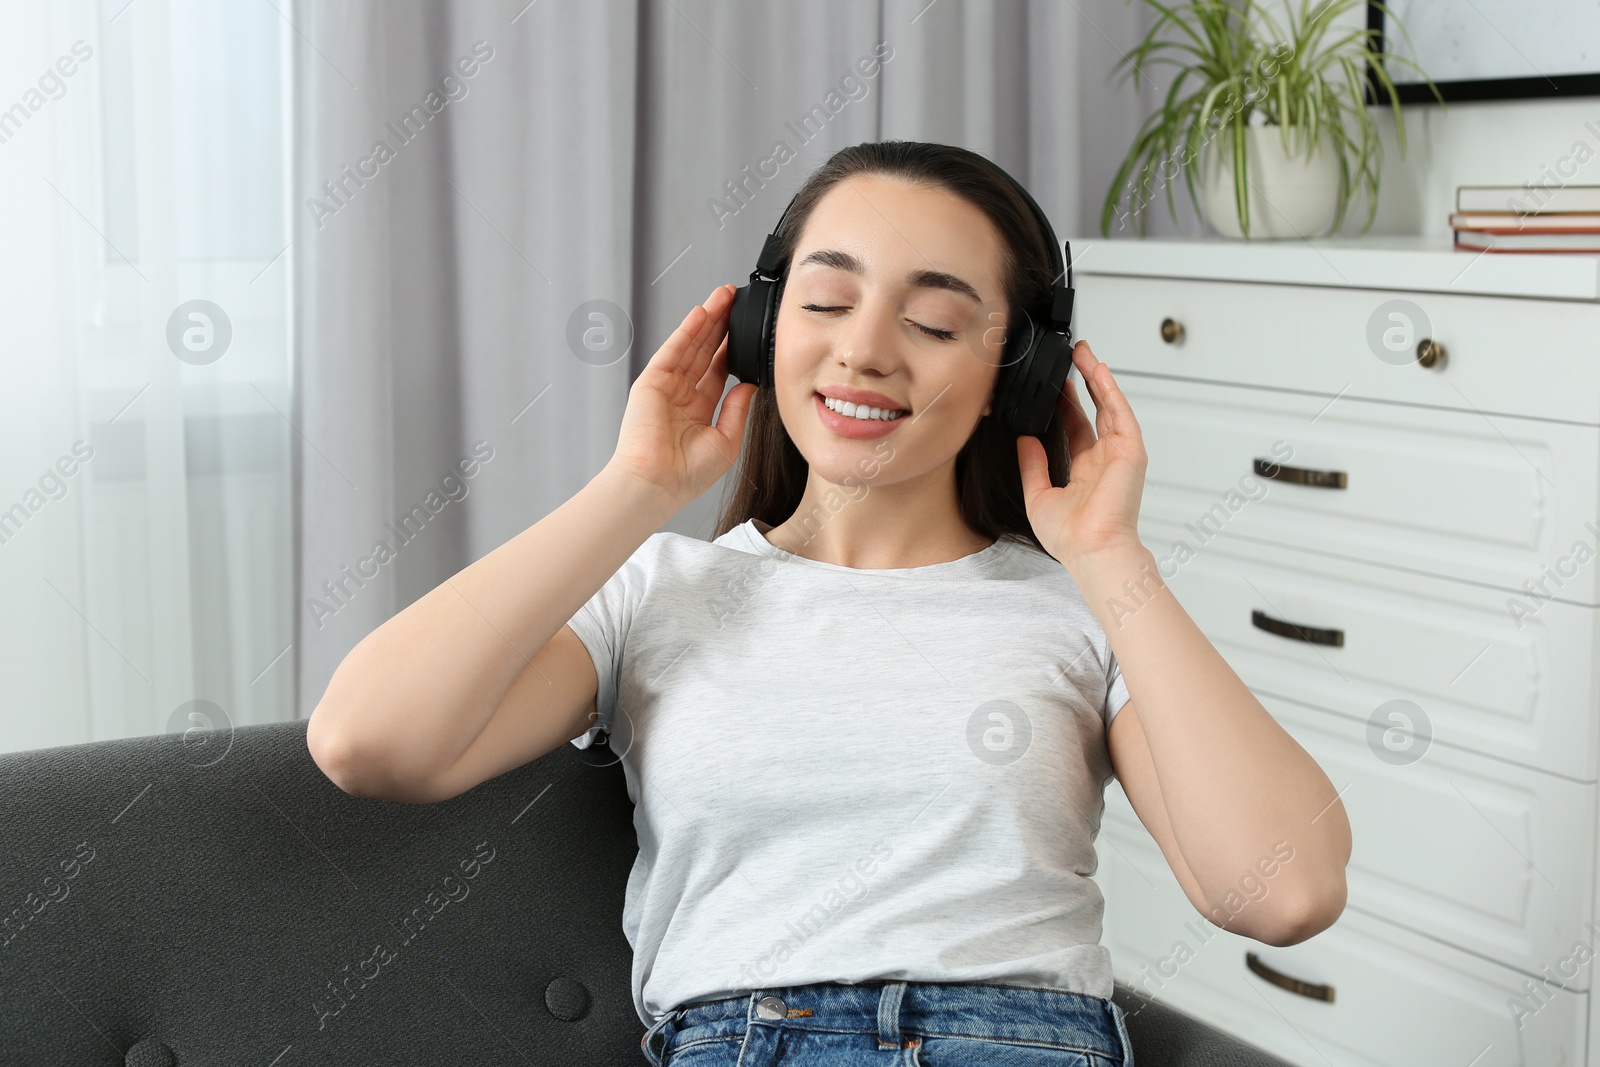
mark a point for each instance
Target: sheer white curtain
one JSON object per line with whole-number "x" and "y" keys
{"x": 145, "y": 519}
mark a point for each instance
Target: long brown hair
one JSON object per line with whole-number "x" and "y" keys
{"x": 770, "y": 477}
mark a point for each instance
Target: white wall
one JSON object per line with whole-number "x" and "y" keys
{"x": 1491, "y": 143}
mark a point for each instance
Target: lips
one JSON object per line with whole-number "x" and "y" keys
{"x": 858, "y": 429}
{"x": 860, "y": 397}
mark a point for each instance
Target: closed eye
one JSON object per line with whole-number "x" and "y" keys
{"x": 942, "y": 335}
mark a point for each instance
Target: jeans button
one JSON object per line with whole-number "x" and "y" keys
{"x": 771, "y": 1008}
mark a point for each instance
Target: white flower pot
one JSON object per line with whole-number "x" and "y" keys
{"x": 1287, "y": 197}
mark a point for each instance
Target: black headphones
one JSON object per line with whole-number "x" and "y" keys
{"x": 1033, "y": 368}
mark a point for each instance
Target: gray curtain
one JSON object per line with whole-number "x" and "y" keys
{"x": 556, "y": 175}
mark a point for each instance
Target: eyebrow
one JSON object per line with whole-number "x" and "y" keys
{"x": 921, "y": 279}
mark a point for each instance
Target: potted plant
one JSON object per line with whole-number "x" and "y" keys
{"x": 1272, "y": 122}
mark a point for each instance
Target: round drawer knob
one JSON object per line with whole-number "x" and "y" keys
{"x": 1171, "y": 331}
{"x": 1430, "y": 353}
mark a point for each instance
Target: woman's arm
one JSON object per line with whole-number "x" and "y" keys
{"x": 418, "y": 691}
{"x": 1234, "y": 786}
{"x": 409, "y": 699}
{"x": 1237, "y": 791}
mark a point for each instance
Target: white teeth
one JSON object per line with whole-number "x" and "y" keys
{"x": 854, "y": 411}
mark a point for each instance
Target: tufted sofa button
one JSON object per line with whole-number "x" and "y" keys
{"x": 150, "y": 1053}
{"x": 567, "y": 999}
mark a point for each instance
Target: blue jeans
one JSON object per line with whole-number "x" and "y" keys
{"x": 884, "y": 1023}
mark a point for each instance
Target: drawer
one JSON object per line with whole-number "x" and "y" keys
{"x": 1498, "y": 501}
{"x": 1521, "y": 693}
{"x": 1490, "y": 858}
{"x": 1506, "y": 355}
{"x": 1399, "y": 1000}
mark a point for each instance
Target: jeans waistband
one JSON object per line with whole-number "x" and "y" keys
{"x": 989, "y": 1011}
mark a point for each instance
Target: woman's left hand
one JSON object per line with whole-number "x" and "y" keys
{"x": 1097, "y": 511}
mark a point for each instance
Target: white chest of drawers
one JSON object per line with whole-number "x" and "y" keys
{"x": 1401, "y": 558}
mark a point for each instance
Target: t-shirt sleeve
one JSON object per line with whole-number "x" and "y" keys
{"x": 602, "y": 624}
{"x": 1116, "y": 689}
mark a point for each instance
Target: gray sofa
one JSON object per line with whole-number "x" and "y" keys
{"x": 212, "y": 898}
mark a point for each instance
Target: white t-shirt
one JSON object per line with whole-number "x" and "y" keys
{"x": 842, "y": 775}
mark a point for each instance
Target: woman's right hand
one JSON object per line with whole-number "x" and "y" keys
{"x": 667, "y": 439}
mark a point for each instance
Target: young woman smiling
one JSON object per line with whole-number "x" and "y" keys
{"x": 867, "y": 790}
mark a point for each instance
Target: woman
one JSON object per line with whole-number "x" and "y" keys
{"x": 867, "y": 727}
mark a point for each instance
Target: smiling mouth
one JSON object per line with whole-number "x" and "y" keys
{"x": 863, "y": 412}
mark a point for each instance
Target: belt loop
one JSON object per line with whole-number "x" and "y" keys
{"x": 660, "y": 1028}
{"x": 889, "y": 1014}
{"x": 1118, "y": 1016}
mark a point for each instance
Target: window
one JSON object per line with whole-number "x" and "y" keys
{"x": 145, "y": 498}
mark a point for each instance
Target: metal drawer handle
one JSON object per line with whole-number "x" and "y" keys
{"x": 1283, "y": 981}
{"x": 1430, "y": 353}
{"x": 1171, "y": 331}
{"x": 1301, "y": 475}
{"x": 1310, "y": 634}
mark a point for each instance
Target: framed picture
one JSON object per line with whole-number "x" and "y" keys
{"x": 1493, "y": 49}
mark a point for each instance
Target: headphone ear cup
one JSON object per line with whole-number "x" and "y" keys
{"x": 769, "y": 337}
{"x": 1017, "y": 358}
{"x": 1041, "y": 377}
{"x": 748, "y": 345}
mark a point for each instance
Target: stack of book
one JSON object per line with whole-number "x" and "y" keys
{"x": 1513, "y": 218}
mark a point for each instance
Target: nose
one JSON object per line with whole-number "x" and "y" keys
{"x": 868, "y": 343}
